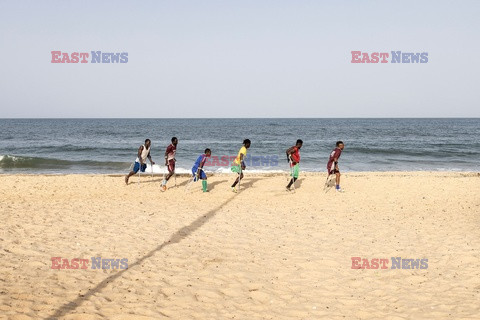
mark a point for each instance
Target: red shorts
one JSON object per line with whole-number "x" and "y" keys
{"x": 171, "y": 166}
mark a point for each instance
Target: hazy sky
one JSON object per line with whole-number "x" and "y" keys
{"x": 239, "y": 59}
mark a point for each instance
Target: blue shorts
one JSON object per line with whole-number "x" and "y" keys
{"x": 136, "y": 167}
{"x": 202, "y": 174}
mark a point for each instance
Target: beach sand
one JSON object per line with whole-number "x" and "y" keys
{"x": 262, "y": 253}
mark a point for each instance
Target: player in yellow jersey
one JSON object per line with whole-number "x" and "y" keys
{"x": 238, "y": 164}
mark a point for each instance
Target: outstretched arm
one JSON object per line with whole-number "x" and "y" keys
{"x": 335, "y": 159}
{"x": 200, "y": 167}
{"x": 150, "y": 158}
{"x": 242, "y": 164}
{"x": 202, "y": 163}
{"x": 139, "y": 154}
{"x": 289, "y": 153}
{"x": 166, "y": 155}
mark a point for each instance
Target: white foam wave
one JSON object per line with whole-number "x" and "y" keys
{"x": 157, "y": 169}
{"x": 8, "y": 157}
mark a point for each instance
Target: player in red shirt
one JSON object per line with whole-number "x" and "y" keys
{"x": 170, "y": 161}
{"x": 293, "y": 155}
{"x": 332, "y": 165}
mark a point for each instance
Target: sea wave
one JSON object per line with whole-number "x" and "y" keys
{"x": 445, "y": 152}
{"x": 23, "y": 162}
{"x": 12, "y": 162}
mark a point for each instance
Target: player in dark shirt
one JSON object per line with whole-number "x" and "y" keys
{"x": 332, "y": 165}
{"x": 170, "y": 162}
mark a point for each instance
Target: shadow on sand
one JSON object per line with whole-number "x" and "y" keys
{"x": 178, "y": 236}
{"x": 248, "y": 182}
{"x": 212, "y": 185}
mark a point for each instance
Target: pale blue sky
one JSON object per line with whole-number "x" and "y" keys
{"x": 239, "y": 59}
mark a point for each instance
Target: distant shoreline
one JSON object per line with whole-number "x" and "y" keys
{"x": 263, "y": 174}
{"x": 234, "y": 118}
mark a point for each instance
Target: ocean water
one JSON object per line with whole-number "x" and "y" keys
{"x": 110, "y": 145}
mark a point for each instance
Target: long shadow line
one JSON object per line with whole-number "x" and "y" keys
{"x": 178, "y": 236}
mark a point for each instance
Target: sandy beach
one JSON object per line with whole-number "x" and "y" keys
{"x": 262, "y": 253}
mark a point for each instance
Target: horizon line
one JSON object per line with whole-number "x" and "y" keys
{"x": 222, "y": 118}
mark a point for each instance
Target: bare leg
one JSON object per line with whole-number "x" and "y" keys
{"x": 292, "y": 181}
{"x": 237, "y": 180}
{"x": 128, "y": 176}
{"x": 337, "y": 178}
{"x": 169, "y": 175}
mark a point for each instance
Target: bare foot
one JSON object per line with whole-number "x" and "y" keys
{"x": 126, "y": 180}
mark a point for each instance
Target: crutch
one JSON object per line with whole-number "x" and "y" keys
{"x": 288, "y": 174}
{"x": 139, "y": 170}
{"x": 291, "y": 172}
{"x": 164, "y": 175}
{"x": 194, "y": 179}
{"x": 240, "y": 175}
{"x": 326, "y": 187}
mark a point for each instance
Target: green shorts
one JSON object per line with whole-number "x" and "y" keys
{"x": 294, "y": 171}
{"x": 236, "y": 169}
